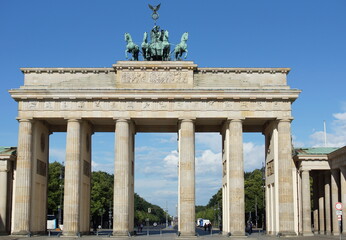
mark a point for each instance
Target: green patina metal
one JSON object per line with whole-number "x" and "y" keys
{"x": 315, "y": 151}
{"x": 159, "y": 47}
{"x": 8, "y": 151}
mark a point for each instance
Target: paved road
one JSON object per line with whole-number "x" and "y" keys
{"x": 170, "y": 234}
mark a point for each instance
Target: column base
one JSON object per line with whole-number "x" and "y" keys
{"x": 21, "y": 233}
{"x": 307, "y": 234}
{"x": 237, "y": 234}
{"x": 286, "y": 234}
{"x": 186, "y": 237}
{"x": 234, "y": 237}
{"x": 70, "y": 234}
{"x": 121, "y": 234}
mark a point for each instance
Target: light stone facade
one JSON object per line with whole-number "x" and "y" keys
{"x": 144, "y": 96}
{"x": 326, "y": 167}
{"x": 7, "y": 165}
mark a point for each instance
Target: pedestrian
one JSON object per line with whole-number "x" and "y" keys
{"x": 209, "y": 227}
{"x": 249, "y": 226}
{"x": 205, "y": 227}
{"x": 141, "y": 227}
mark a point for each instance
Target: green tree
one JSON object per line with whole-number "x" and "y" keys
{"x": 254, "y": 194}
{"x": 55, "y": 187}
{"x": 141, "y": 211}
{"x": 101, "y": 197}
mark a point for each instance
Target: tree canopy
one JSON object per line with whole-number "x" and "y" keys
{"x": 101, "y": 202}
{"x": 254, "y": 195}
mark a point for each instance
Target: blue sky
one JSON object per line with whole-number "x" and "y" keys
{"x": 308, "y": 36}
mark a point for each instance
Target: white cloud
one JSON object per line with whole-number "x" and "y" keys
{"x": 57, "y": 154}
{"x": 336, "y": 136}
{"x": 210, "y": 141}
{"x": 104, "y": 167}
{"x": 254, "y": 156}
{"x": 209, "y": 162}
{"x": 297, "y": 144}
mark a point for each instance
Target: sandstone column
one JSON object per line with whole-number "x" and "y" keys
{"x": 23, "y": 182}
{"x": 335, "y": 198}
{"x": 187, "y": 221}
{"x": 343, "y": 197}
{"x": 306, "y": 203}
{"x": 122, "y": 181}
{"x": 327, "y": 202}
{"x": 236, "y": 179}
{"x": 72, "y": 195}
{"x": 285, "y": 185}
{"x": 321, "y": 218}
{"x": 3, "y": 195}
{"x": 315, "y": 201}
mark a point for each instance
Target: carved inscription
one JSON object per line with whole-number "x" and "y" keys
{"x": 154, "y": 77}
{"x": 86, "y": 168}
{"x": 41, "y": 168}
{"x": 270, "y": 168}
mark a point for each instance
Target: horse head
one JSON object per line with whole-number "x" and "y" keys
{"x": 185, "y": 37}
{"x": 145, "y": 37}
{"x": 128, "y": 37}
{"x": 165, "y": 35}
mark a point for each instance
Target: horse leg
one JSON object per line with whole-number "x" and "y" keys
{"x": 185, "y": 54}
{"x": 126, "y": 56}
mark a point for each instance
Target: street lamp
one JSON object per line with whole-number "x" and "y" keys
{"x": 61, "y": 186}
{"x": 110, "y": 218}
{"x": 263, "y": 186}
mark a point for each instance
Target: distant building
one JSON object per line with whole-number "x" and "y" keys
{"x": 325, "y": 169}
{"x": 8, "y": 156}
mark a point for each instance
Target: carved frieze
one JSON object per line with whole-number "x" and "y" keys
{"x": 155, "y": 105}
{"x": 153, "y": 77}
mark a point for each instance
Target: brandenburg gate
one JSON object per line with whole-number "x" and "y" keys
{"x": 152, "y": 96}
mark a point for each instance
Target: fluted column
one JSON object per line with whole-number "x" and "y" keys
{"x": 327, "y": 202}
{"x": 315, "y": 201}
{"x": 187, "y": 221}
{"x": 306, "y": 203}
{"x": 3, "y": 195}
{"x": 122, "y": 179}
{"x": 236, "y": 179}
{"x": 285, "y": 162}
{"x": 21, "y": 216}
{"x": 335, "y": 198}
{"x": 321, "y": 218}
{"x": 72, "y": 196}
{"x": 343, "y": 197}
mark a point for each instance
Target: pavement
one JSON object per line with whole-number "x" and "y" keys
{"x": 170, "y": 234}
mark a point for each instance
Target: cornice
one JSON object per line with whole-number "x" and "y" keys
{"x": 190, "y": 94}
{"x": 66, "y": 70}
{"x": 244, "y": 70}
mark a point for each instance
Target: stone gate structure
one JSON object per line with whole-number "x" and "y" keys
{"x": 130, "y": 97}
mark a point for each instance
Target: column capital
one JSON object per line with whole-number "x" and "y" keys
{"x": 73, "y": 119}
{"x": 122, "y": 119}
{"x": 25, "y": 119}
{"x": 187, "y": 119}
{"x": 288, "y": 119}
{"x": 235, "y": 120}
{"x": 304, "y": 170}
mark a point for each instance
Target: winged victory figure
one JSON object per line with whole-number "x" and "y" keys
{"x": 155, "y": 15}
